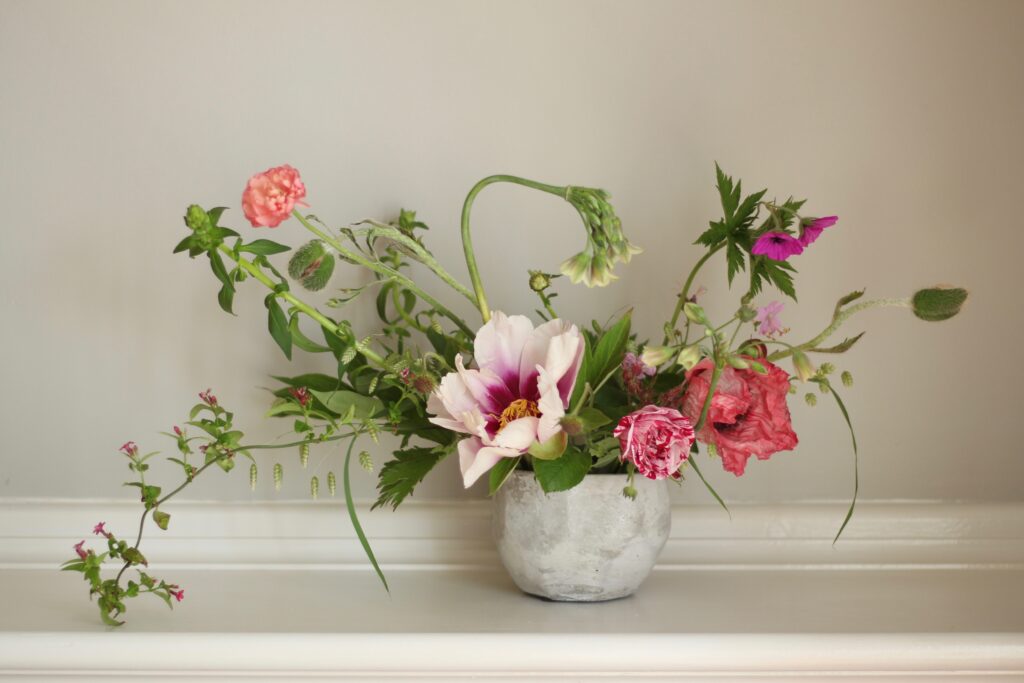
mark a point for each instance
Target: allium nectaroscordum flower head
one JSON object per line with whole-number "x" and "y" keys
{"x": 517, "y": 394}
{"x": 606, "y": 243}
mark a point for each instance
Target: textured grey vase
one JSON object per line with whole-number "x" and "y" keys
{"x": 587, "y": 544}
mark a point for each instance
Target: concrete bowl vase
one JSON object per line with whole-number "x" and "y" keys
{"x": 587, "y": 544}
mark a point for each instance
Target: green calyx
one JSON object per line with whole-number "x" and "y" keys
{"x": 206, "y": 234}
{"x": 312, "y": 265}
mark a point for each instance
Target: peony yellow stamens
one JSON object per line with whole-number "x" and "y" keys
{"x": 518, "y": 408}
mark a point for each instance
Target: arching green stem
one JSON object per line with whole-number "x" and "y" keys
{"x": 837, "y": 320}
{"x": 685, "y": 293}
{"x": 467, "y": 240}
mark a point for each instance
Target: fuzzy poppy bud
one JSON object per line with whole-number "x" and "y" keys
{"x": 312, "y": 265}
{"x": 938, "y": 303}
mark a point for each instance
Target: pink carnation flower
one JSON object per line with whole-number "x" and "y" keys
{"x": 813, "y": 229}
{"x": 269, "y": 197}
{"x": 516, "y": 397}
{"x": 656, "y": 440}
{"x": 777, "y": 246}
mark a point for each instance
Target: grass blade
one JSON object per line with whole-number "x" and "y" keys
{"x": 693, "y": 463}
{"x": 355, "y": 520}
{"x": 856, "y": 465}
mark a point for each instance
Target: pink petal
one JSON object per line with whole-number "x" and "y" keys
{"x": 519, "y": 434}
{"x": 550, "y": 404}
{"x": 488, "y": 390}
{"x": 499, "y": 346}
{"x": 475, "y": 459}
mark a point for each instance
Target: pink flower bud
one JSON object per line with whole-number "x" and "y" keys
{"x": 99, "y": 530}
{"x": 130, "y": 449}
{"x": 78, "y": 549}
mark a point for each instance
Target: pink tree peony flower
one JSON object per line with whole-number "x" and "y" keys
{"x": 656, "y": 440}
{"x": 777, "y": 246}
{"x": 516, "y": 396}
{"x": 767, "y": 318}
{"x": 813, "y": 229}
{"x": 748, "y": 413}
{"x": 269, "y": 197}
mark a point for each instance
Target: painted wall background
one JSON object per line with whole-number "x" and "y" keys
{"x": 903, "y": 118}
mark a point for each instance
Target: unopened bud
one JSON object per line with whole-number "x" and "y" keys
{"x": 847, "y": 378}
{"x": 689, "y": 356}
{"x": 653, "y": 356}
{"x": 629, "y": 492}
{"x": 695, "y": 313}
{"x": 196, "y": 218}
{"x": 803, "y": 366}
{"x": 312, "y": 265}
{"x": 539, "y": 281}
{"x": 811, "y": 399}
{"x": 746, "y": 314}
{"x": 571, "y": 425}
{"x": 738, "y": 363}
{"x": 938, "y": 303}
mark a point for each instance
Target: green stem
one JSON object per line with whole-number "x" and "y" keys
{"x": 685, "y": 293}
{"x": 258, "y": 274}
{"x": 384, "y": 270}
{"x": 715, "y": 374}
{"x": 837, "y": 320}
{"x": 467, "y": 240}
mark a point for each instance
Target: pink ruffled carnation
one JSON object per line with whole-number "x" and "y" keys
{"x": 656, "y": 440}
{"x": 777, "y": 246}
{"x": 517, "y": 395}
{"x": 269, "y": 197}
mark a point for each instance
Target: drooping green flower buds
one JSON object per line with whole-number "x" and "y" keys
{"x": 606, "y": 244}
{"x": 847, "y": 378}
{"x": 312, "y": 265}
{"x": 938, "y": 303}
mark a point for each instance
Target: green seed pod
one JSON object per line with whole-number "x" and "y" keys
{"x": 539, "y": 281}
{"x": 365, "y": 461}
{"x": 348, "y": 355}
{"x": 824, "y": 387}
{"x": 253, "y": 474}
{"x": 314, "y": 487}
{"x": 827, "y": 368}
{"x": 811, "y": 399}
{"x": 278, "y": 476}
{"x": 847, "y": 378}
{"x": 629, "y": 492}
{"x": 332, "y": 483}
{"x": 304, "y": 454}
{"x": 373, "y": 384}
{"x": 312, "y": 265}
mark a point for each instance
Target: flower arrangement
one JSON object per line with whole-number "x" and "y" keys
{"x": 560, "y": 400}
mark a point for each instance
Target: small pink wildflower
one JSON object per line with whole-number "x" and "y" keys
{"x": 208, "y": 398}
{"x": 130, "y": 449}
{"x": 177, "y": 430}
{"x": 178, "y": 593}
{"x": 78, "y": 549}
{"x": 767, "y": 318}
{"x": 100, "y": 530}
{"x": 300, "y": 394}
{"x": 777, "y": 246}
{"x": 813, "y": 229}
{"x": 405, "y": 375}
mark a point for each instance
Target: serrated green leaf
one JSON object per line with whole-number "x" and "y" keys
{"x": 563, "y": 473}
{"x": 398, "y": 477}
{"x": 841, "y": 347}
{"x": 734, "y": 259}
{"x": 713, "y": 235}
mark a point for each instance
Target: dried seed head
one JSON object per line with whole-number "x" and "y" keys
{"x": 278, "y": 476}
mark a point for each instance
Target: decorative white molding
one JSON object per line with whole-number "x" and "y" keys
{"x": 37, "y": 533}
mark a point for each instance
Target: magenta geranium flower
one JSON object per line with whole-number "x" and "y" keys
{"x": 777, "y": 246}
{"x": 768, "y": 318}
{"x": 517, "y": 394}
{"x": 813, "y": 229}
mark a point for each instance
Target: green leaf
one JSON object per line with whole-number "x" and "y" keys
{"x": 217, "y": 266}
{"x": 564, "y": 473}
{"x": 183, "y": 245}
{"x": 728, "y": 192}
{"x": 161, "y": 518}
{"x": 693, "y": 463}
{"x": 399, "y": 477}
{"x": 215, "y": 213}
{"x": 841, "y": 347}
{"x": 713, "y": 235}
{"x": 610, "y": 349}
{"x": 302, "y": 341}
{"x": 592, "y": 419}
{"x": 552, "y": 449}
{"x": 226, "y": 297}
{"x": 856, "y": 464}
{"x": 501, "y": 472}
{"x": 313, "y": 381}
{"x": 355, "y": 519}
{"x": 278, "y": 325}
{"x": 849, "y": 298}
{"x": 581, "y": 376}
{"x": 343, "y": 402}
{"x": 734, "y": 259}
{"x": 264, "y": 247}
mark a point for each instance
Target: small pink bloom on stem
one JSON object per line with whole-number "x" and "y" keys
{"x": 814, "y": 229}
{"x": 208, "y": 398}
{"x": 269, "y": 197}
{"x": 300, "y": 394}
{"x": 100, "y": 530}
{"x": 767, "y": 318}
{"x": 777, "y": 246}
{"x": 178, "y": 593}
{"x": 130, "y": 449}
{"x": 78, "y": 549}
{"x": 656, "y": 440}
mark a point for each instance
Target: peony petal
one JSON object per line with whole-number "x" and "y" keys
{"x": 499, "y": 346}
{"x": 488, "y": 390}
{"x": 552, "y": 410}
{"x": 518, "y": 434}
{"x": 475, "y": 459}
{"x": 452, "y": 396}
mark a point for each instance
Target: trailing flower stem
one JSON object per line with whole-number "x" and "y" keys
{"x": 467, "y": 240}
{"x": 685, "y": 292}
{"x": 384, "y": 270}
{"x": 837, "y": 320}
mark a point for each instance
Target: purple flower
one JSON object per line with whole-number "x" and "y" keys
{"x": 777, "y": 246}
{"x": 813, "y": 229}
{"x": 767, "y": 318}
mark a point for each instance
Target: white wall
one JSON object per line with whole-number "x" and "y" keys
{"x": 903, "y": 118}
